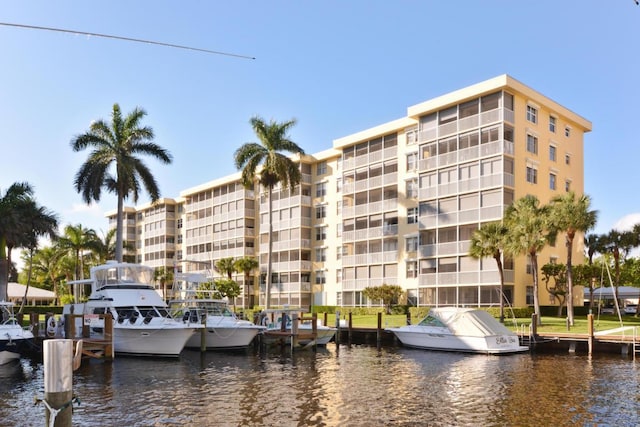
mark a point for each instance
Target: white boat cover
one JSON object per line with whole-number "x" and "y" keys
{"x": 469, "y": 322}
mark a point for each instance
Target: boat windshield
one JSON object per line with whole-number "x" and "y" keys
{"x": 431, "y": 321}
{"x": 123, "y": 274}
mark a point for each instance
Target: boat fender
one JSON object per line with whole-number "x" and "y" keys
{"x": 51, "y": 326}
{"x": 61, "y": 325}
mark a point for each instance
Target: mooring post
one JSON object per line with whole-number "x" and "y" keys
{"x": 379, "y": 329}
{"x": 325, "y": 319}
{"x": 109, "y": 349}
{"x": 350, "y": 326}
{"x": 294, "y": 330}
{"x": 338, "y": 327}
{"x": 34, "y": 321}
{"x": 590, "y": 332}
{"x": 314, "y": 330}
{"x": 58, "y": 381}
{"x": 203, "y": 334}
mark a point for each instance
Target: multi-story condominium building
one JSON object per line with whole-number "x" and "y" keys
{"x": 394, "y": 204}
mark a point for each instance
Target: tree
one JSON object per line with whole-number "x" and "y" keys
{"x": 571, "y": 214}
{"x": 75, "y": 240}
{"x": 593, "y": 244}
{"x": 618, "y": 244}
{"x": 35, "y": 222}
{"x": 246, "y": 265}
{"x": 489, "y": 241}
{"x": 557, "y": 273}
{"x": 528, "y": 226}
{"x": 117, "y": 145}
{"x": 226, "y": 267}
{"x": 228, "y": 288}
{"x": 266, "y": 164}
{"x": 17, "y": 193}
{"x": 163, "y": 275}
{"x": 388, "y": 294}
{"x": 46, "y": 267}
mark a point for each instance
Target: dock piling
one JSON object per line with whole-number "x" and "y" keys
{"x": 58, "y": 381}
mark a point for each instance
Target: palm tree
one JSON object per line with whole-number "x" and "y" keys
{"x": 528, "y": 226}
{"x": 618, "y": 244}
{"x": 17, "y": 193}
{"x": 117, "y": 145}
{"x": 163, "y": 275}
{"x": 246, "y": 265}
{"x": 489, "y": 241}
{"x": 225, "y": 266}
{"x": 76, "y": 239}
{"x": 571, "y": 214}
{"x": 46, "y": 267}
{"x": 593, "y": 243}
{"x": 36, "y": 221}
{"x": 265, "y": 163}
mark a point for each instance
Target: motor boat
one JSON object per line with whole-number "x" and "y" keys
{"x": 459, "y": 329}
{"x": 142, "y": 324}
{"x": 276, "y": 331}
{"x": 222, "y": 329}
{"x": 14, "y": 339}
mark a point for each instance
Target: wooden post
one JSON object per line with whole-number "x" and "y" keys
{"x": 109, "y": 349}
{"x": 379, "y": 330}
{"x": 338, "y": 327}
{"x": 34, "y": 321}
{"x": 69, "y": 329}
{"x": 534, "y": 325}
{"x": 314, "y": 330}
{"x": 58, "y": 381}
{"x": 203, "y": 334}
{"x": 408, "y": 318}
{"x": 590, "y": 332}
{"x": 325, "y": 319}
{"x": 350, "y": 326}
{"x": 294, "y": 329}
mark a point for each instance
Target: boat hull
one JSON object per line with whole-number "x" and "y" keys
{"x": 167, "y": 341}
{"x": 323, "y": 337}
{"x": 418, "y": 337}
{"x": 221, "y": 337}
{"x": 14, "y": 342}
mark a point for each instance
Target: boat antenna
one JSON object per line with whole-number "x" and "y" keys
{"x": 129, "y": 39}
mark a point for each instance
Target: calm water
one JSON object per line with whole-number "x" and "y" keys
{"x": 346, "y": 386}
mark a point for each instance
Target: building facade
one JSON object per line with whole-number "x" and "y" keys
{"x": 395, "y": 204}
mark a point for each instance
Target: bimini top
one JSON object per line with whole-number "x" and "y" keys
{"x": 121, "y": 275}
{"x": 465, "y": 321}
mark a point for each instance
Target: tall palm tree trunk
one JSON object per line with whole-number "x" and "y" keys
{"x": 569, "y": 280}
{"x": 501, "y": 273}
{"x": 119, "y": 226}
{"x": 536, "y": 299}
{"x": 270, "y": 250}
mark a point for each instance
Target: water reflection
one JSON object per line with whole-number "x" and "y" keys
{"x": 355, "y": 386}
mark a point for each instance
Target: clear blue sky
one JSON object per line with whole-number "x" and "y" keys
{"x": 338, "y": 67}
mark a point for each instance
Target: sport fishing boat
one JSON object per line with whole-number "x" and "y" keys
{"x": 195, "y": 305}
{"x": 14, "y": 339}
{"x": 142, "y": 324}
{"x": 460, "y": 329}
{"x": 273, "y": 319}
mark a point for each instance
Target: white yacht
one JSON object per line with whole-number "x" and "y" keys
{"x": 223, "y": 330}
{"x": 14, "y": 339}
{"x": 460, "y": 329}
{"x": 142, "y": 322}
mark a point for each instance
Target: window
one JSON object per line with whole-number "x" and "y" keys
{"x": 321, "y": 211}
{"x": 339, "y": 185}
{"x": 321, "y": 233}
{"x": 552, "y": 153}
{"x": 552, "y": 124}
{"x": 412, "y": 162}
{"x": 567, "y": 159}
{"x": 567, "y": 131}
{"x": 529, "y": 296}
{"x": 552, "y": 181}
{"x": 320, "y": 277}
{"x": 412, "y": 215}
{"x": 532, "y": 144}
{"x": 411, "y": 244}
{"x": 321, "y": 189}
{"x": 412, "y": 269}
{"x": 567, "y": 185}
{"x": 532, "y": 114}
{"x": 321, "y": 254}
{"x": 412, "y": 188}
{"x": 532, "y": 175}
{"x": 321, "y": 168}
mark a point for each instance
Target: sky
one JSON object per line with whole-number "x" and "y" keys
{"x": 337, "y": 67}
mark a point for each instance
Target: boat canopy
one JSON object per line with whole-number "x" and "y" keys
{"x": 122, "y": 274}
{"x": 469, "y": 322}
